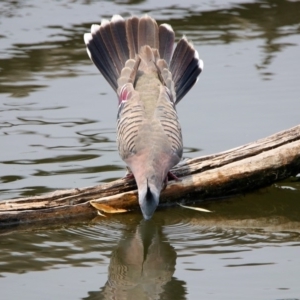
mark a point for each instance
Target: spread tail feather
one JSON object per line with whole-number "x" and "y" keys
{"x": 112, "y": 43}
{"x": 132, "y": 27}
{"x": 185, "y": 67}
{"x": 166, "y": 42}
{"x": 148, "y": 33}
{"x": 98, "y": 53}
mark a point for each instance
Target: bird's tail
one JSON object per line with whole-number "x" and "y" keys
{"x": 112, "y": 43}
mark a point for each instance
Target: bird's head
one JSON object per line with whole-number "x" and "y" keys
{"x": 148, "y": 199}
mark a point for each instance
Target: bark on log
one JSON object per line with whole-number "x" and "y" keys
{"x": 232, "y": 172}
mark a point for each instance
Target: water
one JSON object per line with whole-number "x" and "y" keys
{"x": 57, "y": 131}
{"x": 178, "y": 255}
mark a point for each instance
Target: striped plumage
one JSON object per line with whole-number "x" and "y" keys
{"x": 136, "y": 58}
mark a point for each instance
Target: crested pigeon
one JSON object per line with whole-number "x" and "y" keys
{"x": 138, "y": 59}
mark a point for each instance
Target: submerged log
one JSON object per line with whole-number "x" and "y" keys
{"x": 239, "y": 170}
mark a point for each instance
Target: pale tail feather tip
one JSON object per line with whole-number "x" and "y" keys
{"x": 94, "y": 28}
{"x": 201, "y": 64}
{"x": 87, "y": 38}
{"x": 196, "y": 54}
{"x": 167, "y": 26}
{"x": 200, "y": 61}
{"x": 117, "y": 18}
{"x": 104, "y": 22}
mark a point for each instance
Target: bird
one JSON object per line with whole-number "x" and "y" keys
{"x": 150, "y": 75}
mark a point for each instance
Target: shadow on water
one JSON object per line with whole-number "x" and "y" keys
{"x": 142, "y": 266}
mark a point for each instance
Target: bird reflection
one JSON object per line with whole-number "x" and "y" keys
{"x": 142, "y": 267}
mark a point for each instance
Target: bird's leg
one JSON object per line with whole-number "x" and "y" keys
{"x": 129, "y": 174}
{"x": 171, "y": 176}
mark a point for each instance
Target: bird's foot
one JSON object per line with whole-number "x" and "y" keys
{"x": 171, "y": 176}
{"x": 129, "y": 174}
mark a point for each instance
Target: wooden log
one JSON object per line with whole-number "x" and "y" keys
{"x": 232, "y": 172}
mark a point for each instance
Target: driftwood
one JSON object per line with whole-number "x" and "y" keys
{"x": 232, "y": 172}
